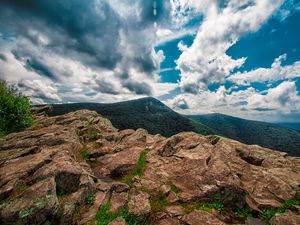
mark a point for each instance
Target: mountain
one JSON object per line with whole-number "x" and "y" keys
{"x": 78, "y": 169}
{"x": 294, "y": 126}
{"x": 148, "y": 113}
{"x": 253, "y": 132}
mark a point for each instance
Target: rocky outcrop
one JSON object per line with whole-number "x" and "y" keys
{"x": 78, "y": 169}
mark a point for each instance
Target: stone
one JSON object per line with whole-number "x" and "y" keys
{"x": 117, "y": 201}
{"x": 197, "y": 217}
{"x": 288, "y": 218}
{"x": 46, "y": 162}
{"x": 168, "y": 221}
{"x": 118, "y": 221}
{"x": 254, "y": 221}
{"x": 139, "y": 203}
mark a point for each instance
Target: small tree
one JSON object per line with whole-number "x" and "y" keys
{"x": 15, "y": 114}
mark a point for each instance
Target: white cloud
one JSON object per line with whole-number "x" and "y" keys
{"x": 249, "y": 103}
{"x": 206, "y": 61}
{"x": 275, "y": 73}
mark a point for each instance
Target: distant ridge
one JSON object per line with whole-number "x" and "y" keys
{"x": 148, "y": 113}
{"x": 293, "y": 126}
{"x": 253, "y": 132}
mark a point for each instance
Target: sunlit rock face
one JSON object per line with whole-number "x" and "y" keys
{"x": 65, "y": 169}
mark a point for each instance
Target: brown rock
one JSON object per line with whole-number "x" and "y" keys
{"x": 198, "y": 217}
{"x": 288, "y": 218}
{"x": 139, "y": 203}
{"x": 118, "y": 221}
{"x": 175, "y": 210}
{"x": 254, "y": 221}
{"x": 34, "y": 206}
{"x": 117, "y": 201}
{"x": 168, "y": 221}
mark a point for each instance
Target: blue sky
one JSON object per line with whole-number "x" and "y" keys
{"x": 240, "y": 58}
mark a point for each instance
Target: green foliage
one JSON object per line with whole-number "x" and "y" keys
{"x": 15, "y": 114}
{"x": 208, "y": 206}
{"x": 90, "y": 199}
{"x": 25, "y": 212}
{"x": 94, "y": 135}
{"x": 158, "y": 203}
{"x": 291, "y": 202}
{"x": 104, "y": 216}
{"x": 146, "y": 190}
{"x": 84, "y": 154}
{"x": 243, "y": 213}
{"x": 174, "y": 189}
{"x": 21, "y": 186}
{"x": 267, "y": 214}
{"x": 138, "y": 170}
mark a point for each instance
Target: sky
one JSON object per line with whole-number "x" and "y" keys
{"x": 237, "y": 57}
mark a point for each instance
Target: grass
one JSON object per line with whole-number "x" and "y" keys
{"x": 267, "y": 214}
{"x": 138, "y": 170}
{"x": 208, "y": 206}
{"x": 2, "y": 134}
{"x": 94, "y": 135}
{"x": 104, "y": 216}
{"x": 25, "y": 212}
{"x": 174, "y": 189}
{"x": 243, "y": 213}
{"x": 158, "y": 203}
{"x": 90, "y": 199}
{"x": 84, "y": 154}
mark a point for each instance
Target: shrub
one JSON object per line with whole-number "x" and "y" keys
{"x": 84, "y": 154}
{"x": 90, "y": 199}
{"x": 15, "y": 114}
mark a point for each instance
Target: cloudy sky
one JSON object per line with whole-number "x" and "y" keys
{"x": 238, "y": 57}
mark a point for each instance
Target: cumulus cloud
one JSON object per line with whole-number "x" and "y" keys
{"x": 205, "y": 61}
{"x": 249, "y": 103}
{"x": 276, "y": 72}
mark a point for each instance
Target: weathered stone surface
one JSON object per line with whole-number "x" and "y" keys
{"x": 288, "y": 218}
{"x": 175, "y": 210}
{"x": 139, "y": 203}
{"x": 168, "y": 221}
{"x": 117, "y": 201}
{"x": 198, "y": 217}
{"x": 118, "y": 221}
{"x": 254, "y": 221}
{"x": 66, "y": 158}
{"x": 33, "y": 206}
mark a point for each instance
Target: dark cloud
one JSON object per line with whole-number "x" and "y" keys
{"x": 3, "y": 57}
{"x": 139, "y": 88}
{"x": 105, "y": 87}
{"x": 94, "y": 33}
{"x": 33, "y": 64}
{"x": 180, "y": 104}
{"x": 40, "y": 68}
{"x": 263, "y": 109}
{"x": 75, "y": 26}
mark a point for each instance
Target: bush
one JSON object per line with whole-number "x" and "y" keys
{"x": 15, "y": 114}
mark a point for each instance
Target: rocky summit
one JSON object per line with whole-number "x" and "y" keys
{"x": 78, "y": 169}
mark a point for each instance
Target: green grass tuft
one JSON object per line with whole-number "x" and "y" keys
{"x": 25, "y": 212}
{"x": 94, "y": 135}
{"x": 84, "y": 154}
{"x": 104, "y": 216}
{"x": 158, "y": 203}
{"x": 174, "y": 189}
{"x": 90, "y": 199}
{"x": 138, "y": 170}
